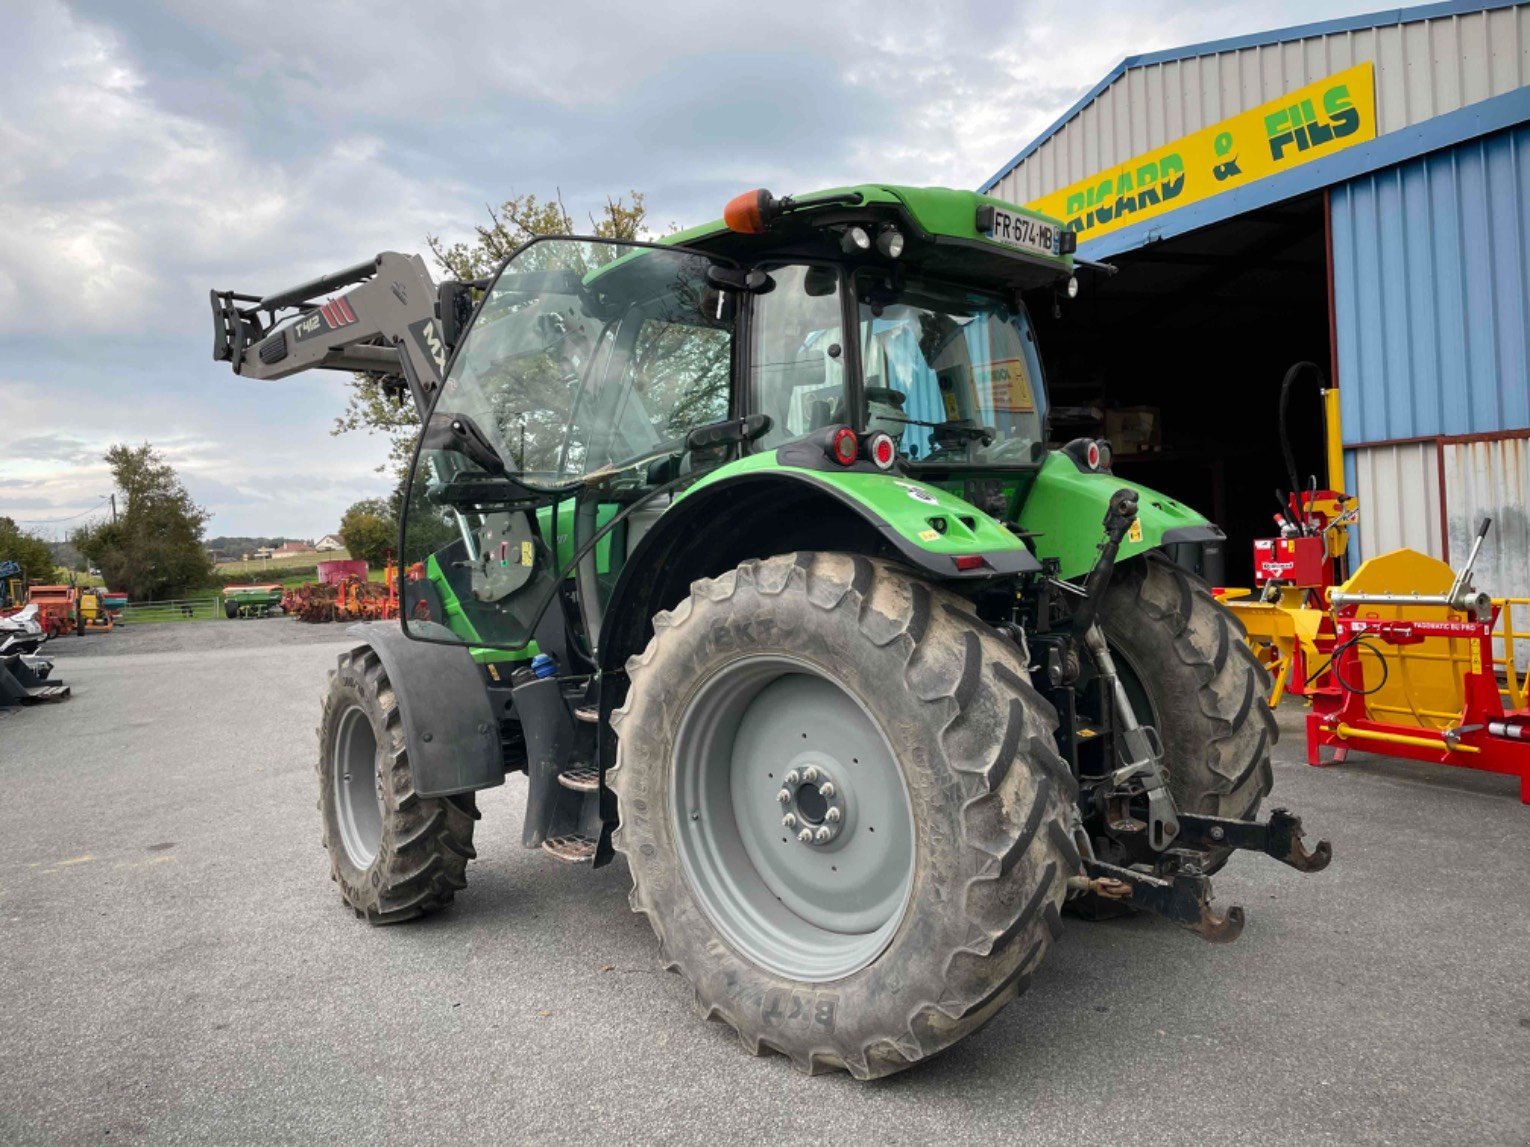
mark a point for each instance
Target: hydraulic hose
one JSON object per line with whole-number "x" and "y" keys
{"x": 1285, "y": 438}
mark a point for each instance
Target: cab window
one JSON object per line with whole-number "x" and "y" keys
{"x": 796, "y": 359}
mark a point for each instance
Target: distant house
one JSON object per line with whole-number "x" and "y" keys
{"x": 288, "y": 549}
{"x": 329, "y": 543}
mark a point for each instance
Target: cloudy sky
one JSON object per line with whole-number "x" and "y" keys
{"x": 152, "y": 151}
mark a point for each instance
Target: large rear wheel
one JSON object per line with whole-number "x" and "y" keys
{"x": 1188, "y": 670}
{"x": 843, "y": 810}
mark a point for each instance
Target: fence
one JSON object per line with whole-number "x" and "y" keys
{"x": 180, "y": 609}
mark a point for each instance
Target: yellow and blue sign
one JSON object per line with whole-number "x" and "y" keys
{"x": 1309, "y": 123}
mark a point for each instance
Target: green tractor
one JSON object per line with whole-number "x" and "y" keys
{"x": 748, "y": 549}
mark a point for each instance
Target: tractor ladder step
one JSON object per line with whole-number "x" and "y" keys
{"x": 574, "y": 849}
{"x": 580, "y": 778}
{"x": 43, "y": 694}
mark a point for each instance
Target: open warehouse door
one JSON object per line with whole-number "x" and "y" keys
{"x": 1178, "y": 358}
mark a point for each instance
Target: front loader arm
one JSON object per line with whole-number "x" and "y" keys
{"x": 378, "y": 317}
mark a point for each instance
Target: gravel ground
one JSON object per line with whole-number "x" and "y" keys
{"x": 177, "y": 967}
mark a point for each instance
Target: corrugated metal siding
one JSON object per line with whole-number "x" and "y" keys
{"x": 1399, "y": 492}
{"x": 1432, "y": 293}
{"x": 1423, "y": 69}
{"x": 1491, "y": 479}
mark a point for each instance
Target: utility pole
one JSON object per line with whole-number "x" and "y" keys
{"x": 113, "y": 498}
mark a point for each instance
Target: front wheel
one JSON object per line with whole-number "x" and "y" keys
{"x": 396, "y": 855}
{"x": 843, "y": 810}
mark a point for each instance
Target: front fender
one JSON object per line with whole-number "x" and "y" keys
{"x": 1065, "y": 513}
{"x": 449, "y": 726}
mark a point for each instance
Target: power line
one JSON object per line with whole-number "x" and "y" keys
{"x": 56, "y": 521}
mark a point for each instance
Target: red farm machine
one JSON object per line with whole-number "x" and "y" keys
{"x": 1404, "y": 656}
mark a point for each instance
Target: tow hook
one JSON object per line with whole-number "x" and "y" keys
{"x": 1279, "y": 837}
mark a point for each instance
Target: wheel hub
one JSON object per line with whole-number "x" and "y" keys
{"x": 815, "y": 805}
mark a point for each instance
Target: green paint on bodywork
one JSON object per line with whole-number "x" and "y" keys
{"x": 946, "y": 212}
{"x": 1066, "y": 509}
{"x": 910, "y": 507}
{"x": 458, "y": 622}
{"x": 564, "y": 542}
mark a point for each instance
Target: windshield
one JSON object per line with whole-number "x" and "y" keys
{"x": 587, "y": 354}
{"x": 586, "y": 363}
{"x": 952, "y": 375}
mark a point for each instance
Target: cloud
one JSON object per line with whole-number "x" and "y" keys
{"x": 156, "y": 150}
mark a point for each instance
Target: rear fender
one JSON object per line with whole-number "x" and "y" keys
{"x": 1064, "y": 514}
{"x": 449, "y": 725}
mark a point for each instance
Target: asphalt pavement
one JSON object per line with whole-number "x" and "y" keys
{"x": 176, "y": 966}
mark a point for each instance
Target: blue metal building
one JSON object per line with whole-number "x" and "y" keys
{"x": 1390, "y": 242}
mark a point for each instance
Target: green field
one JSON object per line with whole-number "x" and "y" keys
{"x": 269, "y": 569}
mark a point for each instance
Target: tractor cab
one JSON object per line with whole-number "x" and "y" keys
{"x": 598, "y": 380}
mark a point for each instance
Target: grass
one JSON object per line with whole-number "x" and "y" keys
{"x": 262, "y": 568}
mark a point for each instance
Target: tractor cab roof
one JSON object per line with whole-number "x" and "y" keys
{"x": 961, "y": 236}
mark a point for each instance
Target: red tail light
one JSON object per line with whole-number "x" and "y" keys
{"x": 965, "y": 562}
{"x": 882, "y": 450}
{"x": 844, "y": 446}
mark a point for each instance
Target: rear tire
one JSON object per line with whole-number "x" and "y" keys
{"x": 1205, "y": 689}
{"x": 230, "y": 610}
{"x": 395, "y": 855}
{"x": 904, "y": 689}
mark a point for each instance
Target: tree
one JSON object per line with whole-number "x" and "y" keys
{"x": 154, "y": 550}
{"x": 28, "y": 551}
{"x": 370, "y": 531}
{"x": 522, "y": 217}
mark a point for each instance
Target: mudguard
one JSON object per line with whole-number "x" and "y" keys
{"x": 1065, "y": 505}
{"x": 449, "y": 725}
{"x": 928, "y": 526}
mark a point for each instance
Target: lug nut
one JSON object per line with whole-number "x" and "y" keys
{"x": 821, "y": 836}
{"x": 789, "y": 820}
{"x": 791, "y": 778}
{"x": 826, "y": 790}
{"x": 832, "y": 816}
{"x": 784, "y": 795}
{"x": 806, "y": 836}
{"x": 809, "y": 775}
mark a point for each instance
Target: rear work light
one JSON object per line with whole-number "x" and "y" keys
{"x": 882, "y": 450}
{"x": 844, "y": 447}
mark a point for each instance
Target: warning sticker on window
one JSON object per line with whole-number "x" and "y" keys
{"x": 1007, "y": 383}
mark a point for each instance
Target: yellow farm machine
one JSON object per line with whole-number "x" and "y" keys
{"x": 1403, "y": 657}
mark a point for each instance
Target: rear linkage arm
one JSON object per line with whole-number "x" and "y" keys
{"x": 1179, "y": 890}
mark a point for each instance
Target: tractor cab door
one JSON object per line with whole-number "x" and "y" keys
{"x": 568, "y": 398}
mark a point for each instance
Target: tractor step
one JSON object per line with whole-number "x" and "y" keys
{"x": 46, "y": 693}
{"x": 574, "y": 849}
{"x": 580, "y": 778}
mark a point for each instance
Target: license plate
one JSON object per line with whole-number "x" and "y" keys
{"x": 1023, "y": 232}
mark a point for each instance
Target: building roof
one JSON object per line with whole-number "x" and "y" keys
{"x": 1254, "y": 40}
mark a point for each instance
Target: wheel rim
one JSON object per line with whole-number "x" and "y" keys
{"x": 769, "y": 749}
{"x": 358, "y": 788}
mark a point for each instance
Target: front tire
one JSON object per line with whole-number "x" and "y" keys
{"x": 937, "y": 892}
{"x": 395, "y": 855}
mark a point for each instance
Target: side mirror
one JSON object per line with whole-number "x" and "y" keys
{"x": 752, "y": 281}
{"x": 454, "y": 307}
